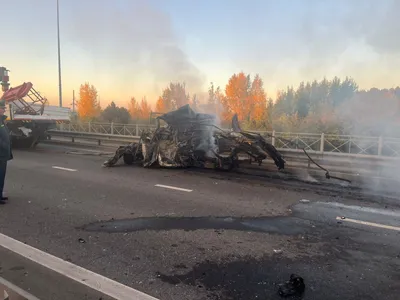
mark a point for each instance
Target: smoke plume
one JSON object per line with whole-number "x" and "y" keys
{"x": 134, "y": 40}
{"x": 330, "y": 38}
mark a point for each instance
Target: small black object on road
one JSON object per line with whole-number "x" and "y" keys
{"x": 292, "y": 288}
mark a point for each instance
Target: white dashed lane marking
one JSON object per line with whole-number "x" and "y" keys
{"x": 368, "y": 223}
{"x": 64, "y": 169}
{"x": 173, "y": 188}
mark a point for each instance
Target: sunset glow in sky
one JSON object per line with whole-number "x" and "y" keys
{"x": 135, "y": 47}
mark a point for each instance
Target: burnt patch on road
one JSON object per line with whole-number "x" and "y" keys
{"x": 325, "y": 277}
{"x": 281, "y": 225}
{"x": 300, "y": 182}
{"x": 17, "y": 268}
{"x": 245, "y": 278}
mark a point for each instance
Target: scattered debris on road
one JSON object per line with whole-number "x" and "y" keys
{"x": 294, "y": 287}
{"x": 304, "y": 201}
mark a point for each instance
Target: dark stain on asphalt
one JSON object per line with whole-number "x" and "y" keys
{"x": 238, "y": 278}
{"x": 17, "y": 268}
{"x": 180, "y": 266}
{"x": 288, "y": 180}
{"x": 281, "y": 225}
{"x": 246, "y": 278}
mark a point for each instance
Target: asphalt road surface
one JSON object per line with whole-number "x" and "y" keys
{"x": 75, "y": 230}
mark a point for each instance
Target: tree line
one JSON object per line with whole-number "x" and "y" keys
{"x": 334, "y": 106}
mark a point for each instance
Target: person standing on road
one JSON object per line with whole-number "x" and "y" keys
{"x": 5, "y": 149}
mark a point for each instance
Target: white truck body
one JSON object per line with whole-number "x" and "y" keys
{"x": 50, "y": 113}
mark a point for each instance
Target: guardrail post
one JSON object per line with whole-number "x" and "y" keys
{"x": 273, "y": 138}
{"x": 90, "y": 126}
{"x": 99, "y": 142}
{"x": 350, "y": 145}
{"x": 322, "y": 145}
{"x": 112, "y": 127}
{"x": 380, "y": 145}
{"x": 137, "y": 129}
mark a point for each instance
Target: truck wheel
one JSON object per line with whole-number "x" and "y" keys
{"x": 128, "y": 158}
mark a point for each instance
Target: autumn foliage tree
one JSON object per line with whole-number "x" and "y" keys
{"x": 258, "y": 103}
{"x": 237, "y": 97}
{"x": 139, "y": 110}
{"x": 134, "y": 109}
{"x": 145, "y": 109}
{"x": 215, "y": 98}
{"x": 316, "y": 106}
{"x": 175, "y": 96}
{"x": 244, "y": 97}
{"x": 88, "y": 105}
{"x": 161, "y": 106}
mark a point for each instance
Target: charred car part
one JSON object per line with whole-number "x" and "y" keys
{"x": 258, "y": 145}
{"x": 294, "y": 287}
{"x": 191, "y": 139}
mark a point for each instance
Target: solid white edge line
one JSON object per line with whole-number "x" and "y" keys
{"x": 369, "y": 223}
{"x": 173, "y": 188}
{"x": 93, "y": 280}
{"x": 64, "y": 169}
{"x": 4, "y": 285}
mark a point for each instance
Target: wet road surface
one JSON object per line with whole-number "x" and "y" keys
{"x": 229, "y": 238}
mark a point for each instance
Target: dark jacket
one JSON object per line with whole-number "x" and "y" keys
{"x": 5, "y": 141}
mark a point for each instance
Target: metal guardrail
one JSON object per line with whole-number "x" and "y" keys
{"x": 9, "y": 291}
{"x": 99, "y": 137}
{"x": 105, "y": 128}
{"x": 344, "y": 163}
{"x": 327, "y": 143}
{"x": 287, "y": 152}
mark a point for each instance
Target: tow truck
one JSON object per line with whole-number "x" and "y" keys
{"x": 30, "y": 116}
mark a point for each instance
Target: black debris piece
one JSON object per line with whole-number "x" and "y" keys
{"x": 293, "y": 288}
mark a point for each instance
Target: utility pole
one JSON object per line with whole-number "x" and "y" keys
{"x": 59, "y": 57}
{"x": 73, "y": 101}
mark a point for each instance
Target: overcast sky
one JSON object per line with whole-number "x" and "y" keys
{"x": 135, "y": 47}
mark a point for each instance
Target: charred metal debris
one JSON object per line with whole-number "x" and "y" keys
{"x": 294, "y": 287}
{"x": 191, "y": 139}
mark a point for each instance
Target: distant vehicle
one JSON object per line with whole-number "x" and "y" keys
{"x": 29, "y": 115}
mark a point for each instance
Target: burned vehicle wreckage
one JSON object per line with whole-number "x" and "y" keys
{"x": 191, "y": 139}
